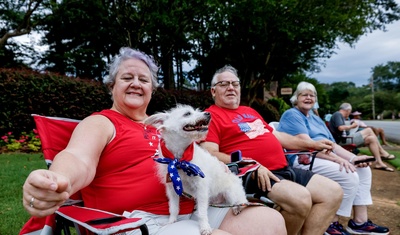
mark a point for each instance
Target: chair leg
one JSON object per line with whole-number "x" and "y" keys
{"x": 312, "y": 160}
{"x": 144, "y": 229}
{"x": 61, "y": 226}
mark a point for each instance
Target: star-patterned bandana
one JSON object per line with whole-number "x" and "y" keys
{"x": 174, "y": 164}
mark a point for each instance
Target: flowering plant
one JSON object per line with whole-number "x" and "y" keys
{"x": 27, "y": 142}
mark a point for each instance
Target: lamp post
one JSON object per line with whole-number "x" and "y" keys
{"x": 373, "y": 98}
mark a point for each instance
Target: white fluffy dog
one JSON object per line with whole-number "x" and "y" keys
{"x": 180, "y": 129}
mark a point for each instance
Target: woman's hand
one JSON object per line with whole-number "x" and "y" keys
{"x": 264, "y": 178}
{"x": 345, "y": 164}
{"x": 44, "y": 192}
{"x": 361, "y": 157}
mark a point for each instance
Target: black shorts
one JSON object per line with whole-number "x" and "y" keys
{"x": 299, "y": 176}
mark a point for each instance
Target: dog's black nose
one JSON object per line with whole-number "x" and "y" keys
{"x": 207, "y": 113}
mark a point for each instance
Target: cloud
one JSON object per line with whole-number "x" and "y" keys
{"x": 355, "y": 64}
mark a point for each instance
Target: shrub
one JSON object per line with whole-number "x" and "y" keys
{"x": 25, "y": 92}
{"x": 26, "y": 142}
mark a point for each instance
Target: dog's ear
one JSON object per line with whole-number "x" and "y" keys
{"x": 156, "y": 120}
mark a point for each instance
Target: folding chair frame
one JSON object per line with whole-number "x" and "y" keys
{"x": 342, "y": 141}
{"x": 52, "y": 132}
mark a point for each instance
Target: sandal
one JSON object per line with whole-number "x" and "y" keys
{"x": 384, "y": 168}
{"x": 388, "y": 157}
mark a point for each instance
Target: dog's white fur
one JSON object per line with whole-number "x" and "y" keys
{"x": 180, "y": 127}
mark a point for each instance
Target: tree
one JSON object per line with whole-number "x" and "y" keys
{"x": 19, "y": 17}
{"x": 82, "y": 38}
{"x": 339, "y": 92}
{"x": 265, "y": 40}
{"x": 361, "y": 100}
{"x": 269, "y": 39}
{"x": 387, "y": 77}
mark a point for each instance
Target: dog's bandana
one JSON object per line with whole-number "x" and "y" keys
{"x": 174, "y": 164}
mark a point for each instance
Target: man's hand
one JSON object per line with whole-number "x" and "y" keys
{"x": 353, "y": 125}
{"x": 264, "y": 178}
{"x": 324, "y": 144}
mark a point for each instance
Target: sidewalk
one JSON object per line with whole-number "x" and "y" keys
{"x": 393, "y": 147}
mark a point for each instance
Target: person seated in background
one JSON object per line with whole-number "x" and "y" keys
{"x": 362, "y": 125}
{"x": 308, "y": 200}
{"x": 338, "y": 165}
{"x": 315, "y": 109}
{"x": 364, "y": 137}
{"x": 327, "y": 117}
{"x": 109, "y": 160}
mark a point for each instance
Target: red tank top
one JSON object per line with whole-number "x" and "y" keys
{"x": 126, "y": 178}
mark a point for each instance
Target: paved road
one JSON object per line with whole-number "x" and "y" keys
{"x": 391, "y": 128}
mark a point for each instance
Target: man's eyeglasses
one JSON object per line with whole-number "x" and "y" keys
{"x": 310, "y": 95}
{"x": 225, "y": 84}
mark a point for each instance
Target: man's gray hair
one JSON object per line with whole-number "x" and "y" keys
{"x": 301, "y": 87}
{"x": 126, "y": 53}
{"x": 226, "y": 68}
{"x": 345, "y": 106}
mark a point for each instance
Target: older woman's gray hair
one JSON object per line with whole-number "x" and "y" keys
{"x": 301, "y": 88}
{"x": 126, "y": 53}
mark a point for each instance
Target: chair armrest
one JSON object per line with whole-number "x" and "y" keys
{"x": 244, "y": 169}
{"x": 343, "y": 139}
{"x": 312, "y": 154}
{"x": 101, "y": 222}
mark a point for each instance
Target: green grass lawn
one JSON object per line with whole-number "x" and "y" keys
{"x": 395, "y": 162}
{"x": 15, "y": 167}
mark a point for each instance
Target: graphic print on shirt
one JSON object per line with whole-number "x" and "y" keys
{"x": 251, "y": 128}
{"x": 150, "y": 135}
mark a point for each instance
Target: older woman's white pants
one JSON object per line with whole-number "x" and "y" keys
{"x": 356, "y": 186}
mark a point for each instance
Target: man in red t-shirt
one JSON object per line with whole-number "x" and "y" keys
{"x": 308, "y": 201}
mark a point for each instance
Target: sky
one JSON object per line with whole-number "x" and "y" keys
{"x": 355, "y": 63}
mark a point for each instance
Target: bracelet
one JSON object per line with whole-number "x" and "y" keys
{"x": 351, "y": 159}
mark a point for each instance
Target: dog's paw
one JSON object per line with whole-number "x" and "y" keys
{"x": 236, "y": 210}
{"x": 206, "y": 231}
{"x": 171, "y": 220}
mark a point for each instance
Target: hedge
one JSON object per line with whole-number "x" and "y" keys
{"x": 24, "y": 92}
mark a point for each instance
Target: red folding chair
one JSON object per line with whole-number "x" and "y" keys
{"x": 54, "y": 133}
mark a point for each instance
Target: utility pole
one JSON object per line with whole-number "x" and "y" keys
{"x": 373, "y": 98}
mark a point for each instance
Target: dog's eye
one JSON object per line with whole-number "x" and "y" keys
{"x": 186, "y": 114}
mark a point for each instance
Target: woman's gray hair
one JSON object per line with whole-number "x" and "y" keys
{"x": 226, "y": 68}
{"x": 126, "y": 53}
{"x": 303, "y": 86}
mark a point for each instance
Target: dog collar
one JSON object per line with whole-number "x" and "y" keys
{"x": 174, "y": 164}
{"x": 186, "y": 156}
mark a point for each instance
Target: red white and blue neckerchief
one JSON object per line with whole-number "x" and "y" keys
{"x": 174, "y": 164}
